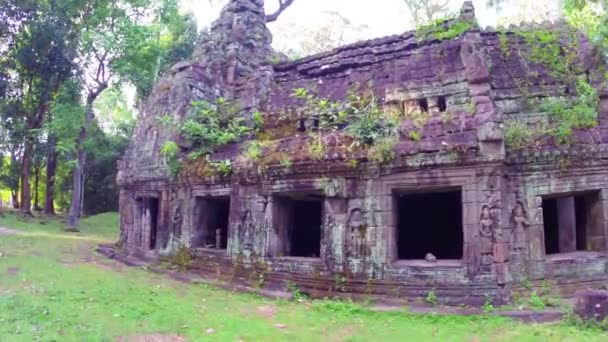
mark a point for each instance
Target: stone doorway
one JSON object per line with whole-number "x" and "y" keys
{"x": 429, "y": 222}
{"x": 148, "y": 218}
{"x": 211, "y": 221}
{"x": 573, "y": 223}
{"x": 297, "y": 221}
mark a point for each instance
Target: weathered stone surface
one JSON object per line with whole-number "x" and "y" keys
{"x": 591, "y": 304}
{"x": 453, "y": 97}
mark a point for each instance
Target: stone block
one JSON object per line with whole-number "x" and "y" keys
{"x": 502, "y": 274}
{"x": 501, "y": 252}
{"x": 591, "y": 304}
{"x": 490, "y": 131}
{"x": 480, "y": 89}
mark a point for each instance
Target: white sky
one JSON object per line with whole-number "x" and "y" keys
{"x": 381, "y": 17}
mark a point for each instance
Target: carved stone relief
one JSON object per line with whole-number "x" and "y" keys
{"x": 519, "y": 224}
{"x": 357, "y": 229}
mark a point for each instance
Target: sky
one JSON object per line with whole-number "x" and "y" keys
{"x": 376, "y": 18}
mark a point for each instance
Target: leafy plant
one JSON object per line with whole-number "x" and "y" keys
{"x": 285, "y": 160}
{"x": 488, "y": 307}
{"x": 368, "y": 122}
{"x": 443, "y": 29}
{"x": 383, "y": 150}
{"x": 211, "y": 126}
{"x": 254, "y": 150}
{"x": 568, "y": 114}
{"x": 330, "y": 115}
{"x": 415, "y": 135}
{"x": 182, "y": 258}
{"x": 221, "y": 167}
{"x": 295, "y": 291}
{"x": 518, "y": 135}
{"x": 431, "y": 297}
{"x": 258, "y": 121}
{"x": 170, "y": 151}
{"x": 339, "y": 307}
{"x": 316, "y": 147}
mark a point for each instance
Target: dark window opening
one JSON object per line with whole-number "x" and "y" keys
{"x": 302, "y": 125}
{"x": 429, "y": 223}
{"x": 442, "y": 104}
{"x": 424, "y": 105}
{"x": 297, "y": 223}
{"x": 573, "y": 223}
{"x": 149, "y": 218}
{"x": 211, "y": 222}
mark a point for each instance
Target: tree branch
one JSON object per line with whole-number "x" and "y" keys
{"x": 283, "y": 4}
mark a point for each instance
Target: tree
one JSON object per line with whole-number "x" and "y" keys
{"x": 40, "y": 41}
{"x": 120, "y": 44}
{"x": 424, "y": 11}
{"x": 337, "y": 30}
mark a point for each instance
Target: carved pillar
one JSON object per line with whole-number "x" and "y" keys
{"x": 198, "y": 237}
{"x": 334, "y": 232}
{"x": 566, "y": 224}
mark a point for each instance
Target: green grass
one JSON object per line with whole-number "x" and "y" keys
{"x": 53, "y": 287}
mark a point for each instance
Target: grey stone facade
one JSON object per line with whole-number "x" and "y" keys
{"x": 246, "y": 226}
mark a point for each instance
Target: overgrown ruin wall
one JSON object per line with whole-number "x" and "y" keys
{"x": 470, "y": 88}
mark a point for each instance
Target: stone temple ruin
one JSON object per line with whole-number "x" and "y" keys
{"x": 497, "y": 174}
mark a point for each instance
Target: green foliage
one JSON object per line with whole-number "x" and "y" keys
{"x": 591, "y": 19}
{"x": 339, "y": 307}
{"x": 222, "y": 167}
{"x": 254, "y": 150}
{"x": 566, "y": 114}
{"x": 295, "y": 291}
{"x": 488, "y": 307}
{"x": 316, "y": 147}
{"x": 572, "y": 113}
{"x": 442, "y": 29}
{"x": 546, "y": 50}
{"x": 210, "y": 126}
{"x": 181, "y": 259}
{"x": 519, "y": 135}
{"x": 415, "y": 135}
{"x": 361, "y": 117}
{"x": 503, "y": 40}
{"x": 258, "y": 121}
{"x": 383, "y": 150}
{"x": 329, "y": 114}
{"x": 285, "y": 160}
{"x": 170, "y": 151}
{"x": 431, "y": 297}
{"x": 368, "y": 123}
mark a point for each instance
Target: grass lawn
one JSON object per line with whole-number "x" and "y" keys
{"x": 53, "y": 287}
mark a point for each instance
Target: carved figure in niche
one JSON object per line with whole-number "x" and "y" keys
{"x": 246, "y": 227}
{"x": 486, "y": 223}
{"x": 177, "y": 220}
{"x": 358, "y": 233}
{"x": 489, "y": 227}
{"x": 486, "y": 230}
{"x": 519, "y": 222}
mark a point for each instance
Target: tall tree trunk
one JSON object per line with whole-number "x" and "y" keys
{"x": 26, "y": 161}
{"x": 36, "y": 183}
{"x": 81, "y": 159}
{"x": 15, "y": 185}
{"x": 51, "y": 168}
{"x": 15, "y": 199}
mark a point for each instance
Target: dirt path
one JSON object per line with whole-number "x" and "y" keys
{"x": 8, "y": 231}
